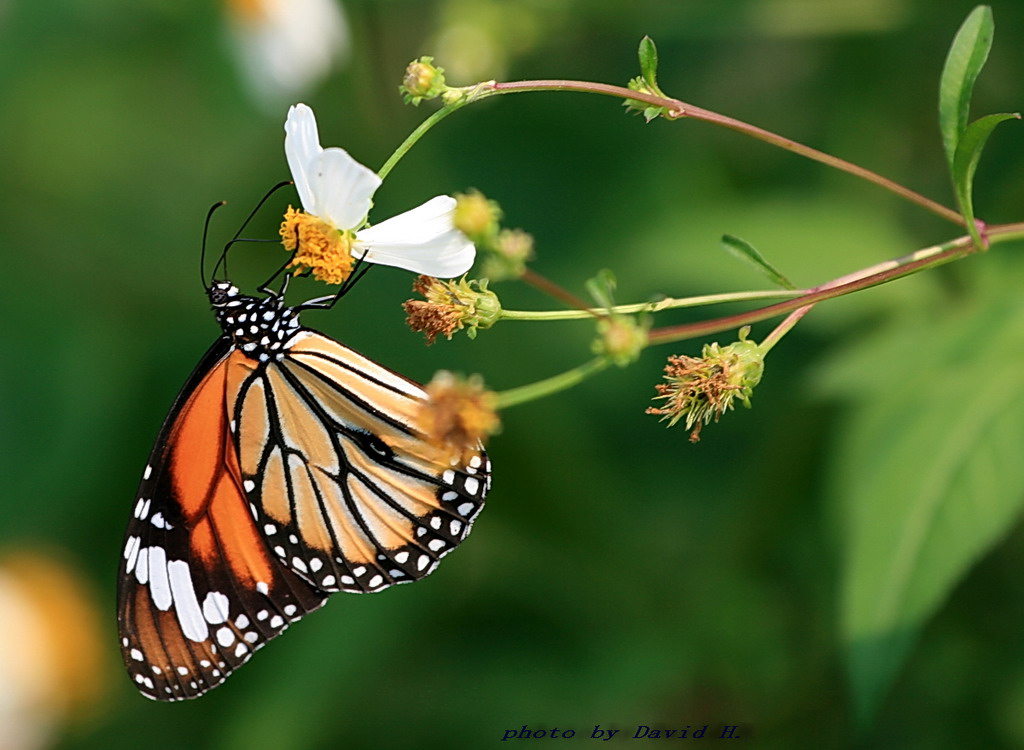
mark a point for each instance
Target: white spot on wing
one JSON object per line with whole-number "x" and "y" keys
{"x": 159, "y": 585}
{"x": 142, "y": 566}
{"x": 225, "y": 636}
{"x": 131, "y": 552}
{"x": 215, "y": 608}
{"x": 190, "y": 616}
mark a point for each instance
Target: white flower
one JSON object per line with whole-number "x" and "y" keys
{"x": 338, "y": 190}
{"x": 286, "y": 46}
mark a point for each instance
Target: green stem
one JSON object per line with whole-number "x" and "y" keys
{"x": 676, "y": 109}
{"x": 854, "y": 282}
{"x": 548, "y": 386}
{"x": 418, "y": 133}
{"x": 668, "y": 303}
{"x": 799, "y": 306}
{"x": 783, "y": 328}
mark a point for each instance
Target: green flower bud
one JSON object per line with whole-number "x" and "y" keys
{"x": 423, "y": 80}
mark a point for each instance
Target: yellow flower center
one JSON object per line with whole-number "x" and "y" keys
{"x": 318, "y": 245}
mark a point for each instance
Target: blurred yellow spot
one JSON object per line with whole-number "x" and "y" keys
{"x": 52, "y": 661}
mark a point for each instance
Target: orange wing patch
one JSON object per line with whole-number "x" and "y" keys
{"x": 199, "y": 591}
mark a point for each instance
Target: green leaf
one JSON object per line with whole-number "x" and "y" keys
{"x": 965, "y": 162}
{"x": 965, "y": 60}
{"x": 745, "y": 251}
{"x": 648, "y": 55}
{"x": 602, "y": 288}
{"x": 928, "y": 474}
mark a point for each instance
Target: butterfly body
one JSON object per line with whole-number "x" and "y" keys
{"x": 290, "y": 467}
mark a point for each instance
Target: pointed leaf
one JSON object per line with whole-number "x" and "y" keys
{"x": 648, "y": 55}
{"x": 745, "y": 251}
{"x": 966, "y": 57}
{"x": 929, "y": 476}
{"x": 965, "y": 162}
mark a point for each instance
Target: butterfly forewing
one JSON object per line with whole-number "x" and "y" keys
{"x": 347, "y": 492}
{"x": 198, "y": 590}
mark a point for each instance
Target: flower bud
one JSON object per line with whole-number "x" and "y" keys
{"x": 509, "y": 255}
{"x": 620, "y": 339}
{"x": 476, "y": 216}
{"x": 423, "y": 80}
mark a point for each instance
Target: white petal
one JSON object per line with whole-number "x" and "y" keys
{"x": 422, "y": 240}
{"x": 342, "y": 188}
{"x": 302, "y": 148}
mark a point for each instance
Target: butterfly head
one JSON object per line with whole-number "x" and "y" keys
{"x": 261, "y": 327}
{"x": 221, "y": 293}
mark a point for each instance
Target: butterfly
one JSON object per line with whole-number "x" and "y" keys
{"x": 289, "y": 467}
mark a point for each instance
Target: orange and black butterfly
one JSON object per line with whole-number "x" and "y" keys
{"x": 289, "y": 468}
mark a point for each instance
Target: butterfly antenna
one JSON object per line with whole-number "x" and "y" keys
{"x": 224, "y": 255}
{"x": 206, "y": 230}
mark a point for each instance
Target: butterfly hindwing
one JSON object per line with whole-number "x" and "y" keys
{"x": 347, "y": 491}
{"x": 198, "y": 590}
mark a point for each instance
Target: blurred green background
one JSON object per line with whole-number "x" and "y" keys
{"x": 620, "y": 575}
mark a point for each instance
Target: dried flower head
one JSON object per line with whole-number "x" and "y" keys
{"x": 451, "y": 306}
{"x": 704, "y": 388}
{"x": 458, "y": 415}
{"x": 422, "y": 80}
